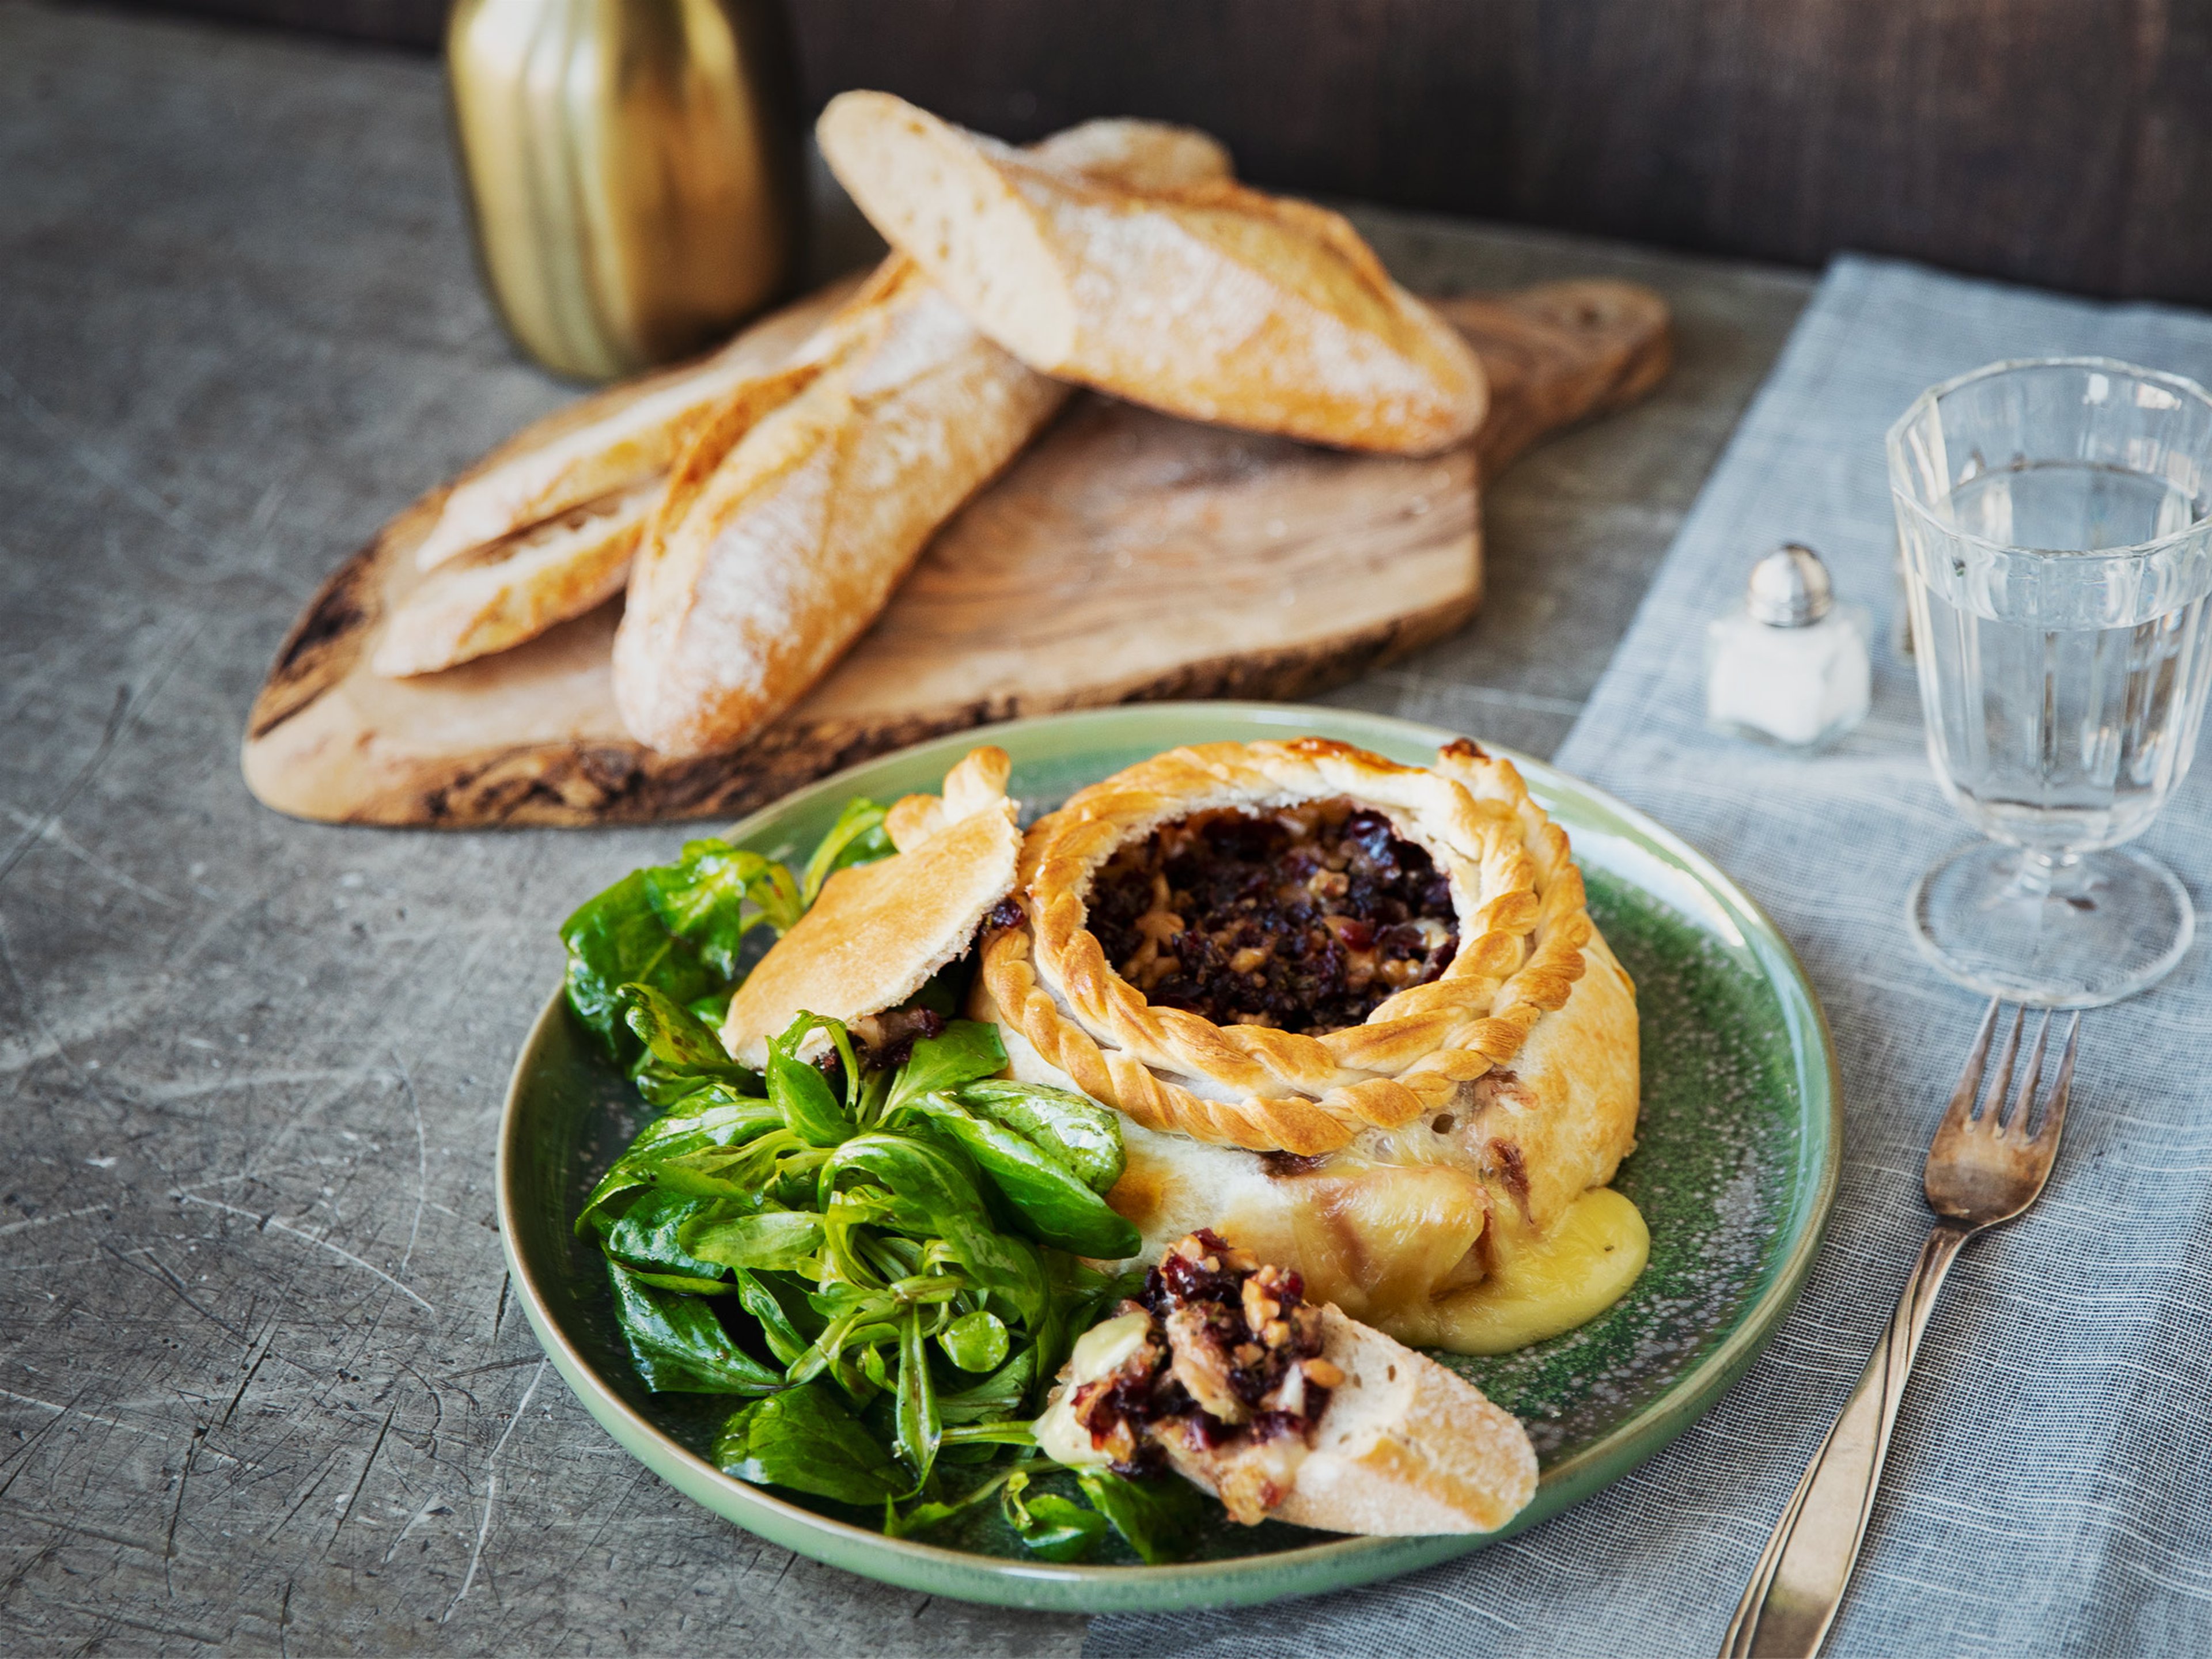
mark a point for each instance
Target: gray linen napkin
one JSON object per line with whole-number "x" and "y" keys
{"x": 2050, "y": 1489}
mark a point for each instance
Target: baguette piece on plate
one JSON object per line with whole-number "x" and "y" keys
{"x": 879, "y": 931}
{"x": 1283, "y": 1409}
{"x": 781, "y": 537}
{"x": 1203, "y": 299}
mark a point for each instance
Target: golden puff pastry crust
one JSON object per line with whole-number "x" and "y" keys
{"x": 879, "y": 931}
{"x": 1522, "y": 930}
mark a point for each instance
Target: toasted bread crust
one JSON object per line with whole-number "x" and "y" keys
{"x": 615, "y": 439}
{"x": 795, "y": 510}
{"x": 1203, "y": 299}
{"x": 879, "y": 931}
{"x": 494, "y": 597}
{"x": 689, "y": 418}
{"x": 768, "y": 561}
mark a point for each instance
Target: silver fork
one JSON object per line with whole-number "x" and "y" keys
{"x": 1984, "y": 1167}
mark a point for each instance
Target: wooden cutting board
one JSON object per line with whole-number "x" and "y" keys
{"x": 1126, "y": 555}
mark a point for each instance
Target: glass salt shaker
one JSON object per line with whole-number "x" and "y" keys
{"x": 1790, "y": 666}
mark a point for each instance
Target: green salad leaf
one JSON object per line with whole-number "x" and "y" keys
{"x": 1159, "y": 1517}
{"x": 803, "y": 1438}
{"x": 714, "y": 894}
{"x": 975, "y": 1341}
{"x": 857, "y": 837}
{"x": 618, "y": 939}
{"x": 965, "y": 1051}
{"x": 1058, "y": 1528}
{"x": 1050, "y": 1202}
{"x": 772, "y": 1238}
{"x": 649, "y": 1234}
{"x": 678, "y": 1344}
{"x": 997, "y": 1397}
{"x": 788, "y": 1324}
{"x": 1073, "y": 1129}
{"x": 810, "y": 1106}
{"x": 709, "y": 1120}
{"x": 906, "y": 1236}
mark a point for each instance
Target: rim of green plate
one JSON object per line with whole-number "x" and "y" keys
{"x": 1307, "y": 1569}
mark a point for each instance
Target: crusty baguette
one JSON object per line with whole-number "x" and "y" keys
{"x": 630, "y": 432}
{"x": 780, "y": 538}
{"x": 1404, "y": 1447}
{"x": 1206, "y": 300}
{"x": 763, "y": 563}
{"x": 494, "y": 597}
{"x": 615, "y": 439}
{"x": 625, "y": 438}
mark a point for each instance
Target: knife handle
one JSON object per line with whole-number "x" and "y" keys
{"x": 1802, "y": 1573}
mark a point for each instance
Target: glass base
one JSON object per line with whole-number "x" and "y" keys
{"x": 2075, "y": 931}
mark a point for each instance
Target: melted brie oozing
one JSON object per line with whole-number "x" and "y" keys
{"x": 1428, "y": 1252}
{"x": 1401, "y": 1230}
{"x": 1540, "y": 1285}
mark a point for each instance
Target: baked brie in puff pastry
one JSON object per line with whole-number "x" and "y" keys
{"x": 1356, "y": 1016}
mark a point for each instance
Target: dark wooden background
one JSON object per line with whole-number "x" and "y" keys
{"x": 2065, "y": 142}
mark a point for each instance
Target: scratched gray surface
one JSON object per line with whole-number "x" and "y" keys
{"x": 261, "y": 1383}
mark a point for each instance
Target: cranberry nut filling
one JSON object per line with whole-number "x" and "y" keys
{"x": 1216, "y": 1368}
{"x": 1303, "y": 919}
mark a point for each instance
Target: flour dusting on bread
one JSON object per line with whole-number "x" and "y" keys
{"x": 1203, "y": 299}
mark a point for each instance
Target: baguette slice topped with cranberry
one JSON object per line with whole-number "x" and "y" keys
{"x": 1222, "y": 1371}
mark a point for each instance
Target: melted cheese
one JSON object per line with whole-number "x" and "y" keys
{"x": 1099, "y": 1351}
{"x": 1539, "y": 1287}
{"x": 1409, "y": 1230}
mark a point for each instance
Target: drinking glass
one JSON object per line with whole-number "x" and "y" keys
{"x": 2056, "y": 521}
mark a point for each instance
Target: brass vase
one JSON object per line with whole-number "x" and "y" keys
{"x": 632, "y": 168}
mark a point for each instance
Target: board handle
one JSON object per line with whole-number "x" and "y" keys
{"x": 1559, "y": 353}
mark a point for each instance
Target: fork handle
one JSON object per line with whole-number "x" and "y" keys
{"x": 1800, "y": 1580}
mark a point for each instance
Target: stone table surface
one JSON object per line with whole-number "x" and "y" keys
{"x": 262, "y": 1385}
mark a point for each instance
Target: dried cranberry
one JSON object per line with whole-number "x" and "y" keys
{"x": 1372, "y": 834}
{"x": 1403, "y": 941}
{"x": 1148, "y": 1463}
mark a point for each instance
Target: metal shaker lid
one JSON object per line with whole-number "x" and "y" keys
{"x": 1790, "y": 588}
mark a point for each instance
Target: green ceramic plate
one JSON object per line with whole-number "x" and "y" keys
{"x": 1735, "y": 1170}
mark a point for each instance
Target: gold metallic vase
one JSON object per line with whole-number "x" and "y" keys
{"x": 632, "y": 171}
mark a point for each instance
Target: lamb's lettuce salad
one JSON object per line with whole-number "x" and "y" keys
{"x": 880, "y": 1251}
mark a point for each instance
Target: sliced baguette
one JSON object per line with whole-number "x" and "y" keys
{"x": 624, "y": 440}
{"x": 765, "y": 562}
{"x": 1406, "y": 1447}
{"x": 1205, "y": 299}
{"x": 630, "y": 434}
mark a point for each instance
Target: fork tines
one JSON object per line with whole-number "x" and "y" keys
{"x": 1990, "y": 1110}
